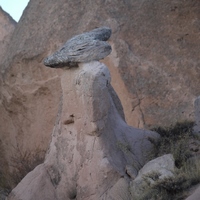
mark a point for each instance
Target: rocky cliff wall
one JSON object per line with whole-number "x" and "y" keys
{"x": 154, "y": 63}
{"x": 7, "y": 26}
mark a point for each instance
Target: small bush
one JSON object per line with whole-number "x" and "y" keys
{"x": 172, "y": 188}
{"x": 175, "y": 140}
{"x": 23, "y": 162}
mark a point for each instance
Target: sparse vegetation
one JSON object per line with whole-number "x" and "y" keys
{"x": 22, "y": 162}
{"x": 172, "y": 188}
{"x": 175, "y": 140}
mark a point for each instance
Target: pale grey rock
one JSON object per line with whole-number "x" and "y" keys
{"x": 162, "y": 166}
{"x": 86, "y": 47}
{"x": 7, "y": 26}
{"x": 88, "y": 159}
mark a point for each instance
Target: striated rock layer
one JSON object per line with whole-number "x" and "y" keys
{"x": 91, "y": 145}
{"x": 82, "y": 48}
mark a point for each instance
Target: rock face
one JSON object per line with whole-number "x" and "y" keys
{"x": 91, "y": 144}
{"x": 7, "y": 26}
{"x": 154, "y": 64}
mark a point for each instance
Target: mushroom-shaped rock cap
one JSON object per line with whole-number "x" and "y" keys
{"x": 86, "y": 47}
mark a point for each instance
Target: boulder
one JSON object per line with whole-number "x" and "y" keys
{"x": 82, "y": 48}
{"x": 91, "y": 143}
{"x": 156, "y": 169}
{"x": 7, "y": 26}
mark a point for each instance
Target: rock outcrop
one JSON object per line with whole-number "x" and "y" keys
{"x": 7, "y": 26}
{"x": 155, "y": 170}
{"x": 154, "y": 64}
{"x": 91, "y": 144}
{"x": 154, "y": 55}
{"x": 82, "y": 48}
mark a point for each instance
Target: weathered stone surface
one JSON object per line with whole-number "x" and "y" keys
{"x": 7, "y": 26}
{"x": 154, "y": 63}
{"x": 155, "y": 58}
{"x": 86, "y": 47}
{"x": 87, "y": 158}
{"x": 163, "y": 166}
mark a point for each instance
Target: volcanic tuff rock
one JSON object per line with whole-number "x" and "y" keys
{"x": 154, "y": 63}
{"x": 91, "y": 143}
{"x": 7, "y": 26}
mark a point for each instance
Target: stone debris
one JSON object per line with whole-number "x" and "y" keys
{"x": 86, "y": 47}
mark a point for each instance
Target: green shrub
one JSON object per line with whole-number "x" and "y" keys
{"x": 175, "y": 140}
{"x": 23, "y": 162}
{"x": 172, "y": 188}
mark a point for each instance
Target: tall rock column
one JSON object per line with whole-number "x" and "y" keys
{"x": 93, "y": 153}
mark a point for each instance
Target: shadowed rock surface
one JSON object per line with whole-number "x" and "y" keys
{"x": 91, "y": 143}
{"x": 197, "y": 116}
{"x": 82, "y": 48}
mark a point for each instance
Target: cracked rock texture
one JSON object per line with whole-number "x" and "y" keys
{"x": 82, "y": 48}
{"x": 87, "y": 157}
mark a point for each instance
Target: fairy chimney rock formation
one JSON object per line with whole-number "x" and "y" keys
{"x": 92, "y": 146}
